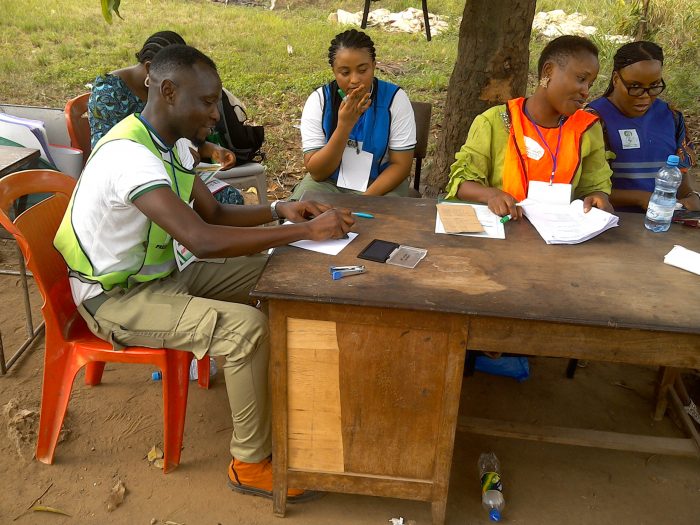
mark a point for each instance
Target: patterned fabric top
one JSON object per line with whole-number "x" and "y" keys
{"x": 111, "y": 100}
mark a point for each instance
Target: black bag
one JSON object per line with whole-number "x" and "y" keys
{"x": 244, "y": 140}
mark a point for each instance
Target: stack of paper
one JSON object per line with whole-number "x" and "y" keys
{"x": 683, "y": 258}
{"x": 567, "y": 224}
{"x": 27, "y": 132}
{"x": 461, "y": 220}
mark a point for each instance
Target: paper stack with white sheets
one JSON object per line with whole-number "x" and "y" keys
{"x": 567, "y": 223}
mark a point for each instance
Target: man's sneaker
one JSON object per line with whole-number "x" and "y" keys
{"x": 693, "y": 412}
{"x": 256, "y": 479}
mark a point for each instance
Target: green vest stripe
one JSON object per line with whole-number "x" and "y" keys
{"x": 159, "y": 259}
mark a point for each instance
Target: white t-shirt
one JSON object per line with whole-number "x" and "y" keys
{"x": 110, "y": 228}
{"x": 402, "y": 131}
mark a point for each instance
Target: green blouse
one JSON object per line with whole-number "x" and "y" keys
{"x": 481, "y": 158}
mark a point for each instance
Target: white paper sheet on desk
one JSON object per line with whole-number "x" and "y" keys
{"x": 567, "y": 224}
{"x": 493, "y": 229}
{"x": 329, "y": 247}
{"x": 684, "y": 259}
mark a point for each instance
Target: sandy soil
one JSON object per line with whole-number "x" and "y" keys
{"x": 112, "y": 427}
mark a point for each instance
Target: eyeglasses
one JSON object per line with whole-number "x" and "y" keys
{"x": 638, "y": 91}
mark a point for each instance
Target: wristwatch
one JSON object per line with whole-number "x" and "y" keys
{"x": 273, "y": 210}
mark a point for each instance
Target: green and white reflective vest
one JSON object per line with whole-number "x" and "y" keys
{"x": 159, "y": 259}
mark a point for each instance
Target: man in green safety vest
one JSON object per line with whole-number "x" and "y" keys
{"x": 138, "y": 207}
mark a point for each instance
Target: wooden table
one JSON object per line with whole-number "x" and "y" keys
{"x": 13, "y": 158}
{"x": 366, "y": 371}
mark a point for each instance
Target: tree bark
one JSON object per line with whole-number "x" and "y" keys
{"x": 491, "y": 68}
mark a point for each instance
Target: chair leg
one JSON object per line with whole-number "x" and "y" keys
{"x": 59, "y": 375}
{"x": 203, "y": 372}
{"x": 365, "y": 14}
{"x": 416, "y": 175}
{"x": 427, "y": 19}
{"x": 93, "y": 372}
{"x": 175, "y": 385}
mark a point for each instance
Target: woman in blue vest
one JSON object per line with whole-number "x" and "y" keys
{"x": 641, "y": 130}
{"x": 358, "y": 132}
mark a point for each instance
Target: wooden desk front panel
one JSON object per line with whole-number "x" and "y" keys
{"x": 369, "y": 391}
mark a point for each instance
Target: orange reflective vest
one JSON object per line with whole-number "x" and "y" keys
{"x": 519, "y": 168}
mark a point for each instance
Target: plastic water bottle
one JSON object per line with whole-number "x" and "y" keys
{"x": 491, "y": 487}
{"x": 663, "y": 200}
{"x": 194, "y": 373}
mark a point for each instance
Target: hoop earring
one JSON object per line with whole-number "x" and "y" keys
{"x": 544, "y": 82}
{"x": 147, "y": 81}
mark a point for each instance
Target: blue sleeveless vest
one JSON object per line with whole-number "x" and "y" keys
{"x": 635, "y": 168}
{"x": 372, "y": 128}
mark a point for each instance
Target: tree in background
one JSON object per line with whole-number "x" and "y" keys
{"x": 491, "y": 68}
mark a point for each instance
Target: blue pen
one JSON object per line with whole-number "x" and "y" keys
{"x": 363, "y": 215}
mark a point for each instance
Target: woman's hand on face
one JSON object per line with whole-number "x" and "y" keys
{"x": 691, "y": 202}
{"x": 355, "y": 104}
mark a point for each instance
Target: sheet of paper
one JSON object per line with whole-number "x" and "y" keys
{"x": 684, "y": 259}
{"x": 459, "y": 219}
{"x": 555, "y": 194}
{"x": 567, "y": 224}
{"x": 329, "y": 247}
{"x": 493, "y": 229}
{"x": 354, "y": 169}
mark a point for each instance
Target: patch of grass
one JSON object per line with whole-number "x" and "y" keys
{"x": 50, "y": 50}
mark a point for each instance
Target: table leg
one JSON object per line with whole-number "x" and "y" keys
{"x": 438, "y": 510}
{"x": 666, "y": 378}
{"x": 278, "y": 379}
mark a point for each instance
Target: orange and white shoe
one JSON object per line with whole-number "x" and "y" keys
{"x": 256, "y": 479}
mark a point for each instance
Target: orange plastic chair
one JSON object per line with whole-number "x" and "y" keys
{"x": 69, "y": 343}
{"x": 78, "y": 124}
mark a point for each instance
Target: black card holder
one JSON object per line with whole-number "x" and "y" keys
{"x": 378, "y": 250}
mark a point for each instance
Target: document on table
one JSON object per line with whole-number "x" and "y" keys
{"x": 567, "y": 224}
{"x": 329, "y": 247}
{"x": 684, "y": 259}
{"x": 493, "y": 228}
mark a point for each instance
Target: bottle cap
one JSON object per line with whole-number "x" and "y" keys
{"x": 495, "y": 515}
{"x": 673, "y": 160}
{"x": 156, "y": 376}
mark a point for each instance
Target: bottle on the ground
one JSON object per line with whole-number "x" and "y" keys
{"x": 194, "y": 373}
{"x": 663, "y": 200}
{"x": 491, "y": 487}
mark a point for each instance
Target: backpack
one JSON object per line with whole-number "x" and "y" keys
{"x": 244, "y": 140}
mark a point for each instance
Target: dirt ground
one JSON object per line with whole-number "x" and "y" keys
{"x": 112, "y": 427}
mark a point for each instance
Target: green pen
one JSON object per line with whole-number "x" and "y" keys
{"x": 342, "y": 94}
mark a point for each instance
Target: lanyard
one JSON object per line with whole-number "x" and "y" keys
{"x": 171, "y": 153}
{"x": 546, "y": 145}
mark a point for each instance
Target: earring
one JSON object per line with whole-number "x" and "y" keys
{"x": 544, "y": 82}
{"x": 147, "y": 81}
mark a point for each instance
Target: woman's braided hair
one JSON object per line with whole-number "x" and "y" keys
{"x": 352, "y": 39}
{"x": 156, "y": 42}
{"x": 631, "y": 54}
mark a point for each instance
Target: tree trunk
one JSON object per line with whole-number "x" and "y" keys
{"x": 491, "y": 68}
{"x": 643, "y": 24}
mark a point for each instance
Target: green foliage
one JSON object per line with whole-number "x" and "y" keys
{"x": 107, "y": 7}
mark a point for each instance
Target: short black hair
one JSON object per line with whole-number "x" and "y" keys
{"x": 631, "y": 54}
{"x": 175, "y": 57}
{"x": 352, "y": 39}
{"x": 156, "y": 42}
{"x": 561, "y": 48}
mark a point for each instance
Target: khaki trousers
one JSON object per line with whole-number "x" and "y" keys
{"x": 204, "y": 309}
{"x": 328, "y": 186}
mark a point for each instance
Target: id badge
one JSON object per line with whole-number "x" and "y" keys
{"x": 549, "y": 193}
{"x": 355, "y": 167}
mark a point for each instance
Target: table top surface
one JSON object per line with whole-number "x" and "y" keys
{"x": 11, "y": 157}
{"x": 617, "y": 279}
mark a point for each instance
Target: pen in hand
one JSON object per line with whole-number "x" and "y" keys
{"x": 342, "y": 94}
{"x": 363, "y": 215}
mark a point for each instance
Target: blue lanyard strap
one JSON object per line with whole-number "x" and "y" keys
{"x": 171, "y": 151}
{"x": 546, "y": 145}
